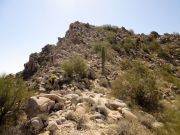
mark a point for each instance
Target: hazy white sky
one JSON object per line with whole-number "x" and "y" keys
{"x": 27, "y": 25}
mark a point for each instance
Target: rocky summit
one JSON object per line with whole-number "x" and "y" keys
{"x": 102, "y": 80}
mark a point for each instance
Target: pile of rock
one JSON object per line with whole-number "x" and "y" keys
{"x": 76, "y": 109}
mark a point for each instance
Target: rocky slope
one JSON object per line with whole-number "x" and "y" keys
{"x": 83, "y": 105}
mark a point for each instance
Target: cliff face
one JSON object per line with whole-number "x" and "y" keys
{"x": 83, "y": 104}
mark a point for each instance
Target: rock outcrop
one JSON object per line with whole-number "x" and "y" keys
{"x": 38, "y": 105}
{"x": 87, "y": 108}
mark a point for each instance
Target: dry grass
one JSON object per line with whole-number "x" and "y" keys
{"x": 132, "y": 128}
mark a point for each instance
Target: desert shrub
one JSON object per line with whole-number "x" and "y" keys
{"x": 145, "y": 48}
{"x": 13, "y": 96}
{"x": 162, "y": 53}
{"x": 170, "y": 118}
{"x": 67, "y": 66}
{"x": 139, "y": 86}
{"x": 154, "y": 46}
{"x": 126, "y": 64}
{"x": 128, "y": 44}
{"x": 116, "y": 47}
{"x": 111, "y": 37}
{"x": 166, "y": 73}
{"x": 166, "y": 51}
{"x": 110, "y": 28}
{"x": 97, "y": 48}
{"x": 126, "y": 127}
{"x": 75, "y": 65}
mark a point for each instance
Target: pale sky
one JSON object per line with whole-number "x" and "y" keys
{"x": 27, "y": 25}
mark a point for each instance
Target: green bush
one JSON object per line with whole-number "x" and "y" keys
{"x": 68, "y": 67}
{"x": 13, "y": 96}
{"x": 138, "y": 85}
{"x": 75, "y": 65}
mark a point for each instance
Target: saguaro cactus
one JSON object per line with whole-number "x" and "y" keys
{"x": 103, "y": 57}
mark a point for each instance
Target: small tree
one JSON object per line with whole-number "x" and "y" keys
{"x": 75, "y": 65}
{"x": 13, "y": 95}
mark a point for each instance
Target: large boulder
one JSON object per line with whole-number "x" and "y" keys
{"x": 37, "y": 105}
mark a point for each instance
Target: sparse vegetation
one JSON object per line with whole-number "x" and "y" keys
{"x": 128, "y": 44}
{"x": 139, "y": 85}
{"x": 171, "y": 119}
{"x": 97, "y": 46}
{"x": 103, "y": 55}
{"x": 166, "y": 73}
{"x": 145, "y": 48}
{"x": 154, "y": 46}
{"x": 131, "y": 128}
{"x": 126, "y": 64}
{"x": 109, "y": 27}
{"x": 109, "y": 52}
{"x": 75, "y": 65}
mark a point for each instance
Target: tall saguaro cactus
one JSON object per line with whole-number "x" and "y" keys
{"x": 103, "y": 57}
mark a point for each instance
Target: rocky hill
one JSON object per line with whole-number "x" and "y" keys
{"x": 78, "y": 83}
